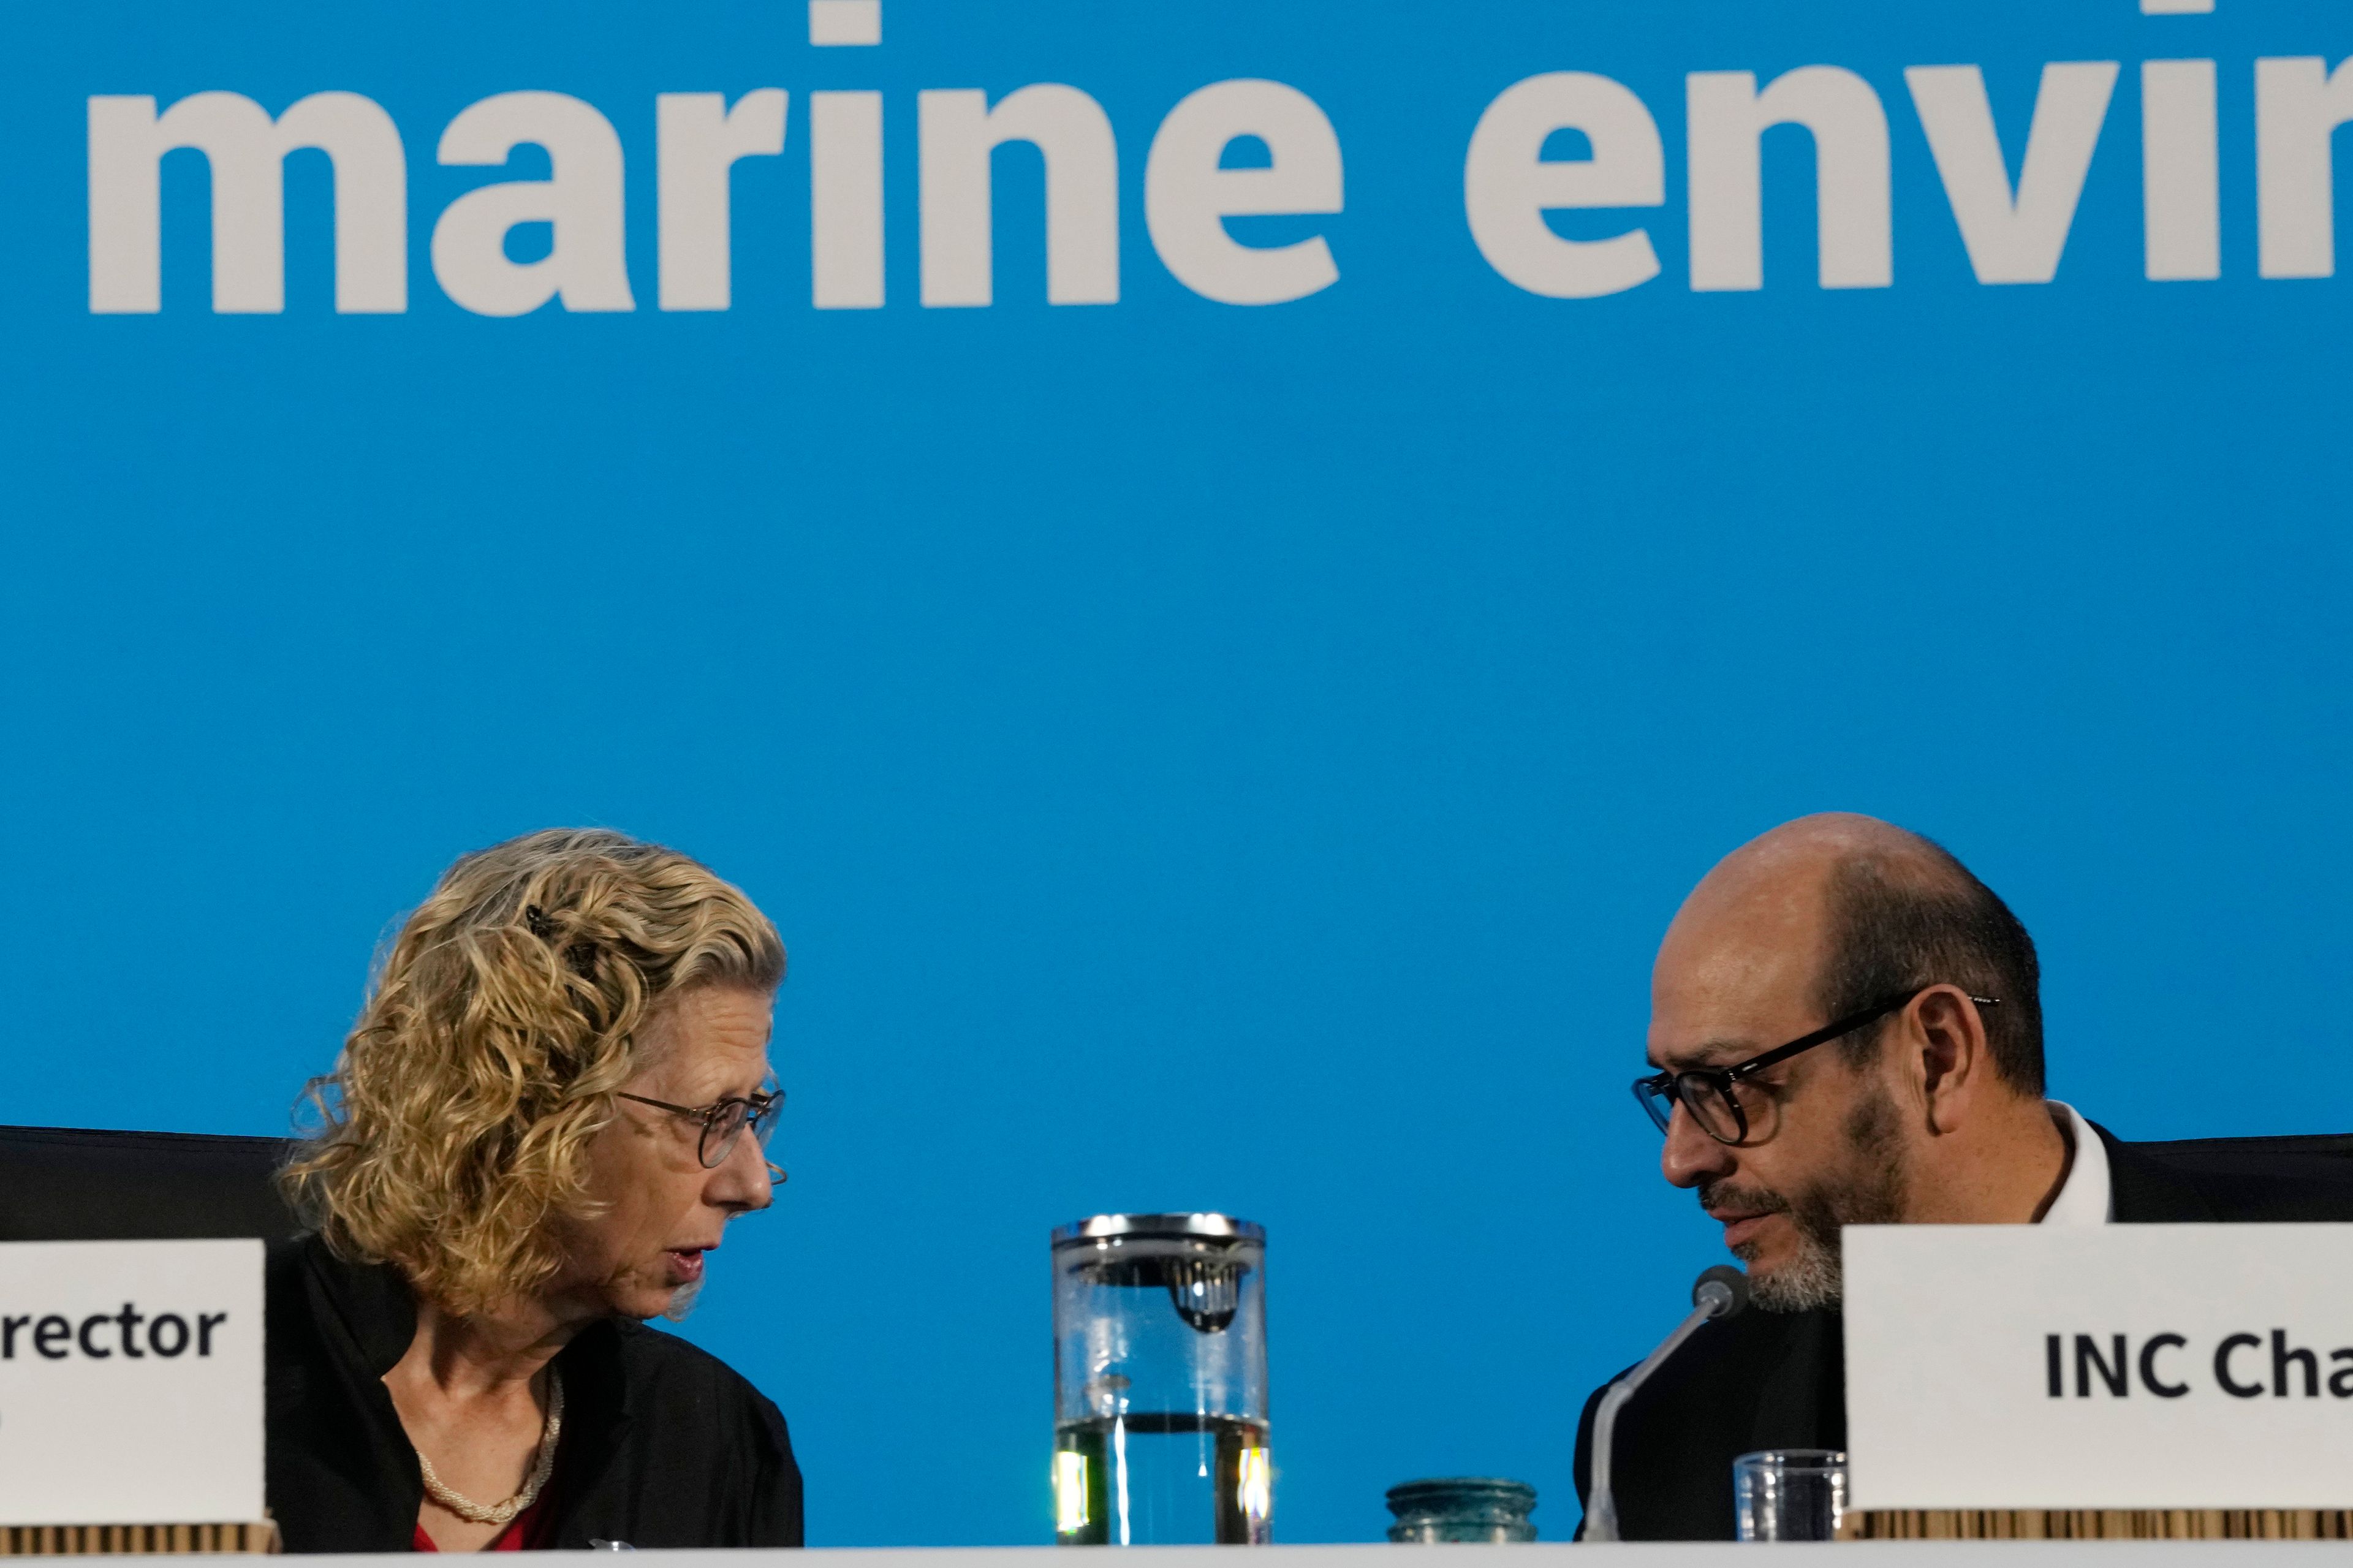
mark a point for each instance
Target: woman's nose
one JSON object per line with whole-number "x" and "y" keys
{"x": 740, "y": 1180}
{"x": 1691, "y": 1156}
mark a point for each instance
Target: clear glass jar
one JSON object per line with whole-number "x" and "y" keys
{"x": 1160, "y": 1415}
{"x": 1463, "y": 1508}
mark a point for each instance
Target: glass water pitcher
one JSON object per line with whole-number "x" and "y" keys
{"x": 1160, "y": 1424}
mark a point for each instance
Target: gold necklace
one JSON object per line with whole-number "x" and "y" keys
{"x": 473, "y": 1512}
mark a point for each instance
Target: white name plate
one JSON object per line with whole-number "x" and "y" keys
{"x": 2159, "y": 1367}
{"x": 130, "y": 1381}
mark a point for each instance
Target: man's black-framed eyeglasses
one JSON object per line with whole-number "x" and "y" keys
{"x": 723, "y": 1121}
{"x": 1715, "y": 1096}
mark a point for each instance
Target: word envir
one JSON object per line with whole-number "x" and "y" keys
{"x": 2014, "y": 230}
{"x": 2244, "y": 1365}
{"x": 102, "y": 1335}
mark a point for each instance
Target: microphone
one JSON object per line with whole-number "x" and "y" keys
{"x": 1720, "y": 1292}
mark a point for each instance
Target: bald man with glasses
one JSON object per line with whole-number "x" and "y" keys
{"x": 1846, "y": 1029}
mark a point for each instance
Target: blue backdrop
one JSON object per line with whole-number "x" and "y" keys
{"x": 1199, "y": 755}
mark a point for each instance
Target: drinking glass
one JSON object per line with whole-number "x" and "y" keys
{"x": 1790, "y": 1494}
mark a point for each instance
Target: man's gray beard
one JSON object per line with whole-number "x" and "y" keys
{"x": 682, "y": 1302}
{"x": 1816, "y": 1277}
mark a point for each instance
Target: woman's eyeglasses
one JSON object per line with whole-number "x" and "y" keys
{"x": 1721, "y": 1100}
{"x": 723, "y": 1121}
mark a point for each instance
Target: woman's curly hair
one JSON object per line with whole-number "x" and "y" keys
{"x": 454, "y": 1129}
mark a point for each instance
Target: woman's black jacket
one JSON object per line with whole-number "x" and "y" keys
{"x": 662, "y": 1444}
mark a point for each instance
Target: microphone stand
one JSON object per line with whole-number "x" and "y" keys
{"x": 1720, "y": 1292}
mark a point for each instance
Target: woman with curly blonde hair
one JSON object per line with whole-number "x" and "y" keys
{"x": 556, "y": 1096}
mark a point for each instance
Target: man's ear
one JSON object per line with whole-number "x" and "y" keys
{"x": 1947, "y": 1034}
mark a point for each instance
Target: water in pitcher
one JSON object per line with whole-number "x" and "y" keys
{"x": 1162, "y": 1478}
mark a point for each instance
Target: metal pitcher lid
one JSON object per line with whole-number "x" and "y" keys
{"x": 1105, "y": 1226}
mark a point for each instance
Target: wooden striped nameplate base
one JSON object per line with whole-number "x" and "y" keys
{"x": 84, "y": 1539}
{"x": 2099, "y": 1524}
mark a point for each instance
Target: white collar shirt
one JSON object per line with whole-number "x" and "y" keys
{"x": 2084, "y": 1198}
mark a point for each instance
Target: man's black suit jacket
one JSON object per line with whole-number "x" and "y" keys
{"x": 1777, "y": 1380}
